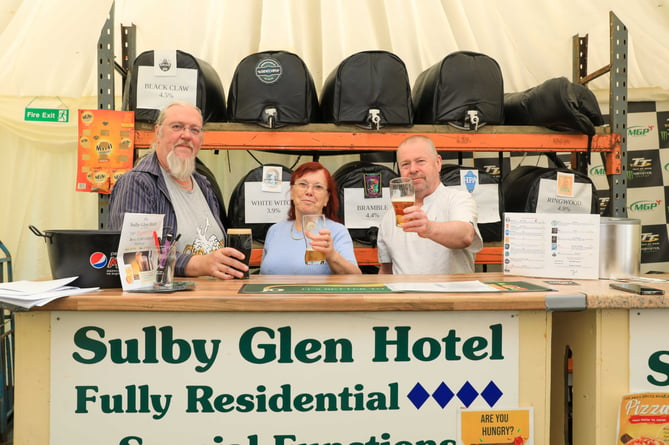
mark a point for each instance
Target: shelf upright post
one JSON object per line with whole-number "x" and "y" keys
{"x": 106, "y": 94}
{"x": 618, "y": 113}
{"x": 580, "y": 72}
{"x": 128, "y": 51}
{"x": 616, "y": 159}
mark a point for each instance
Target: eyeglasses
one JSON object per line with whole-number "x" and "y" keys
{"x": 304, "y": 186}
{"x": 179, "y": 128}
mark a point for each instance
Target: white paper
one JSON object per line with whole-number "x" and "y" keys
{"x": 562, "y": 198}
{"x": 363, "y": 213}
{"x": 554, "y": 245}
{"x": 154, "y": 92}
{"x": 137, "y": 251}
{"x": 15, "y": 288}
{"x": 26, "y": 294}
{"x": 261, "y": 207}
{"x": 28, "y": 301}
{"x": 487, "y": 201}
{"x": 449, "y": 286}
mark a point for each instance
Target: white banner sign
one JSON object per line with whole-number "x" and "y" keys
{"x": 487, "y": 201}
{"x": 154, "y": 92}
{"x": 363, "y": 213}
{"x": 649, "y": 350}
{"x": 132, "y": 378}
{"x": 554, "y": 197}
{"x": 263, "y": 206}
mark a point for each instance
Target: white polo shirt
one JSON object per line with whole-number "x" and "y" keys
{"x": 411, "y": 254}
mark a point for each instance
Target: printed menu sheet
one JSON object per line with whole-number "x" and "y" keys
{"x": 138, "y": 249}
{"x": 552, "y": 245}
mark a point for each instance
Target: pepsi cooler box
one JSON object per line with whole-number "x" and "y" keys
{"x": 89, "y": 255}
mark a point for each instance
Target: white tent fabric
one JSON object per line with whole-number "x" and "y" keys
{"x": 48, "y": 59}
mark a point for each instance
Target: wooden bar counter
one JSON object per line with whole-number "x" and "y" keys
{"x": 114, "y": 367}
{"x": 223, "y": 295}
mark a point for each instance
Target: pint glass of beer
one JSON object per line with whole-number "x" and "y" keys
{"x": 402, "y": 196}
{"x": 312, "y": 224}
{"x": 242, "y": 240}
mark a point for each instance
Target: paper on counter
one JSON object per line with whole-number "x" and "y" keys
{"x": 137, "y": 250}
{"x": 26, "y": 294}
{"x": 449, "y": 286}
{"x": 14, "y": 288}
{"x": 551, "y": 245}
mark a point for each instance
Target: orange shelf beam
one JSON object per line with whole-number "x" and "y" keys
{"x": 328, "y": 137}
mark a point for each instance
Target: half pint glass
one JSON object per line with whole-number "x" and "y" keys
{"x": 402, "y": 196}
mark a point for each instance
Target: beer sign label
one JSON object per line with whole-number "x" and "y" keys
{"x": 261, "y": 206}
{"x": 373, "y": 185}
{"x": 362, "y": 212}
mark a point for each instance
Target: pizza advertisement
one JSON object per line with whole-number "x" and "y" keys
{"x": 644, "y": 419}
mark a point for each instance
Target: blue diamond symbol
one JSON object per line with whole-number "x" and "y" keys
{"x": 418, "y": 395}
{"x": 442, "y": 395}
{"x": 467, "y": 394}
{"x": 491, "y": 393}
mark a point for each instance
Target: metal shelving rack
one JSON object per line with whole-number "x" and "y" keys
{"x": 317, "y": 139}
{"x": 616, "y": 161}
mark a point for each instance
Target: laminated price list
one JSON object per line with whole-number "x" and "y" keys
{"x": 551, "y": 245}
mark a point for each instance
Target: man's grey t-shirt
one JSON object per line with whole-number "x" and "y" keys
{"x": 200, "y": 233}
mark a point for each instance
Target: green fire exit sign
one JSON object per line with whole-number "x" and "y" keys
{"x": 47, "y": 114}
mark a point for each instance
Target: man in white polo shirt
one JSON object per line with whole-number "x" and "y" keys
{"x": 438, "y": 234}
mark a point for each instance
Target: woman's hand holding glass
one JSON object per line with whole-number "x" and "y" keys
{"x": 322, "y": 242}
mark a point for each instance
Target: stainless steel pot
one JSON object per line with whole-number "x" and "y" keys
{"x": 619, "y": 247}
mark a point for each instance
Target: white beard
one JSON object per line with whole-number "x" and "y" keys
{"x": 180, "y": 168}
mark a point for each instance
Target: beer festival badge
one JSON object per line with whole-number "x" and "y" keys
{"x": 565, "y": 184}
{"x": 271, "y": 179}
{"x": 469, "y": 179}
{"x": 372, "y": 186}
{"x": 165, "y": 63}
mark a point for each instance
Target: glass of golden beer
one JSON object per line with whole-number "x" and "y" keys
{"x": 312, "y": 224}
{"x": 402, "y": 195}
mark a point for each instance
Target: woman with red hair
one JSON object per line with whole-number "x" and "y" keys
{"x": 312, "y": 191}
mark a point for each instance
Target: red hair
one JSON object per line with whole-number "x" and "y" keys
{"x": 330, "y": 210}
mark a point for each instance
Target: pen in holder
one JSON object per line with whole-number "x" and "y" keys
{"x": 167, "y": 257}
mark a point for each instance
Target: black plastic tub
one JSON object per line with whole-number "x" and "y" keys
{"x": 89, "y": 255}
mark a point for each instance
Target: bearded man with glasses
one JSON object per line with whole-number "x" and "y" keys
{"x": 166, "y": 182}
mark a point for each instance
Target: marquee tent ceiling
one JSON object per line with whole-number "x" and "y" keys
{"x": 48, "y": 48}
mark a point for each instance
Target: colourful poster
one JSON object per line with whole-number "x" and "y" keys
{"x": 496, "y": 427}
{"x": 105, "y": 148}
{"x": 644, "y": 419}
